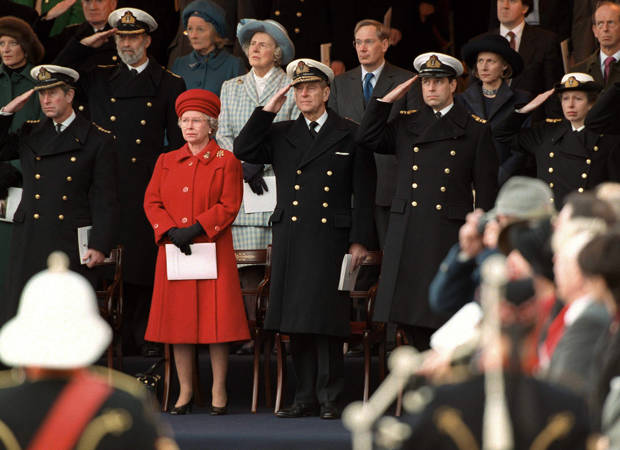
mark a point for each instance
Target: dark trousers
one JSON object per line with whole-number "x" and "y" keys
{"x": 319, "y": 368}
{"x": 137, "y": 304}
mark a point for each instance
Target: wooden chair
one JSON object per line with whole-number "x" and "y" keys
{"x": 262, "y": 339}
{"x": 261, "y": 293}
{"x": 365, "y": 332}
{"x": 110, "y": 302}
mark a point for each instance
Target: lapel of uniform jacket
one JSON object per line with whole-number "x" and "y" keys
{"x": 45, "y": 141}
{"x": 145, "y": 84}
{"x": 571, "y": 145}
{"x": 430, "y": 129}
{"x": 299, "y": 138}
{"x": 353, "y": 92}
{"x": 330, "y": 133}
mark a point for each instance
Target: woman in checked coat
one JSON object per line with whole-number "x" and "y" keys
{"x": 194, "y": 196}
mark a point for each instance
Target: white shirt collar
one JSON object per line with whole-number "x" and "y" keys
{"x": 140, "y": 68}
{"x": 446, "y": 110}
{"x": 261, "y": 82}
{"x": 603, "y": 57}
{"x": 66, "y": 122}
{"x": 321, "y": 120}
{"x": 518, "y": 31}
{"x": 575, "y": 309}
{"x": 578, "y": 129}
{"x": 376, "y": 73}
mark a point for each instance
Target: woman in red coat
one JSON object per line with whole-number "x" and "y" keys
{"x": 194, "y": 196}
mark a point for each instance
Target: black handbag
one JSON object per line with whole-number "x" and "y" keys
{"x": 149, "y": 379}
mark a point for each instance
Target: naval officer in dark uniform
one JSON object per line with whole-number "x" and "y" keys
{"x": 444, "y": 154}
{"x": 135, "y": 100}
{"x": 325, "y": 192}
{"x": 69, "y": 181}
{"x": 569, "y": 156}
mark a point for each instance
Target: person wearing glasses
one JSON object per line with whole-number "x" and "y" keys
{"x": 209, "y": 64}
{"x": 603, "y": 65}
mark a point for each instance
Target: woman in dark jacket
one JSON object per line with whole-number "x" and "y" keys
{"x": 489, "y": 95}
{"x": 569, "y": 156}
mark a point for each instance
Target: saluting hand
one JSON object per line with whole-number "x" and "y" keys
{"x": 358, "y": 255}
{"x": 275, "y": 103}
{"x": 98, "y": 39}
{"x": 18, "y": 102}
{"x": 536, "y": 102}
{"x": 399, "y": 91}
{"x": 59, "y": 9}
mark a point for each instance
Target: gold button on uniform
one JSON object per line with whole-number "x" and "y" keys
{"x": 446, "y": 171}
{"x": 595, "y": 148}
{"x": 38, "y": 158}
{"x": 588, "y": 161}
{"x": 277, "y": 13}
{"x": 323, "y": 220}
{"x": 149, "y": 104}
{"x": 138, "y": 141}
{"x": 143, "y": 122}
{"x": 326, "y": 188}
{"x": 73, "y": 159}
{"x": 114, "y": 58}
{"x": 294, "y": 218}
{"x": 416, "y": 149}
{"x": 69, "y": 178}
{"x": 414, "y": 185}
{"x": 584, "y": 175}
{"x": 61, "y": 217}
{"x": 37, "y": 176}
{"x": 438, "y": 207}
{"x": 415, "y": 167}
{"x": 414, "y": 203}
{"x": 551, "y": 155}
{"x": 580, "y": 190}
{"x": 298, "y": 14}
{"x": 113, "y": 100}
{"x": 452, "y": 153}
{"x": 295, "y": 203}
{"x": 297, "y": 187}
{"x": 296, "y": 30}
{"x": 325, "y": 205}
{"x": 551, "y": 185}
{"x": 35, "y": 215}
{"x": 64, "y": 197}
{"x": 298, "y": 172}
{"x": 133, "y": 160}
{"x": 113, "y": 118}
{"x": 329, "y": 173}
{"x": 81, "y": 108}
{"x": 442, "y": 189}
{"x": 550, "y": 169}
{"x": 37, "y": 196}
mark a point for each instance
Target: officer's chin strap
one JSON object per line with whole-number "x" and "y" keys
{"x": 405, "y": 362}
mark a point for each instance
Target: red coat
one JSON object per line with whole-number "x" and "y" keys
{"x": 184, "y": 189}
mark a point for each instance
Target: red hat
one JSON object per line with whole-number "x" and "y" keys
{"x": 198, "y": 100}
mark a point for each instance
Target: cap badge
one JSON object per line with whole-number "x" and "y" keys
{"x": 128, "y": 18}
{"x": 44, "y": 74}
{"x": 433, "y": 62}
{"x": 571, "y": 82}
{"x": 301, "y": 68}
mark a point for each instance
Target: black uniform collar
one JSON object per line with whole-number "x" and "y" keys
{"x": 45, "y": 141}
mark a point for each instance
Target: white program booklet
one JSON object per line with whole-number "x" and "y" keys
{"x": 253, "y": 203}
{"x": 9, "y": 205}
{"x": 83, "y": 235}
{"x": 461, "y": 328}
{"x": 200, "y": 265}
{"x": 347, "y": 277}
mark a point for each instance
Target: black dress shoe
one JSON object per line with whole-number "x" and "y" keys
{"x": 298, "y": 410}
{"x": 183, "y": 409}
{"x": 219, "y": 410}
{"x": 330, "y": 411}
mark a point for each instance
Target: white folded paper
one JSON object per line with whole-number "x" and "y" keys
{"x": 83, "y": 236}
{"x": 461, "y": 328}
{"x": 347, "y": 277}
{"x": 10, "y": 204}
{"x": 266, "y": 202}
{"x": 200, "y": 265}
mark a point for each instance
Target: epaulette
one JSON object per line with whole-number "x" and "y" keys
{"x": 478, "y": 119}
{"x": 171, "y": 73}
{"x": 100, "y": 128}
{"x": 551, "y": 120}
{"x": 407, "y": 112}
{"x": 33, "y": 121}
{"x": 106, "y": 66}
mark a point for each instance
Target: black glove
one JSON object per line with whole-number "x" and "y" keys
{"x": 182, "y": 237}
{"x": 253, "y": 175}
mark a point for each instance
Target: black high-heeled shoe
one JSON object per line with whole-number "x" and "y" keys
{"x": 219, "y": 410}
{"x": 183, "y": 409}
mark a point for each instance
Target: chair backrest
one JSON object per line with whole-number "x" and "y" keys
{"x": 111, "y": 295}
{"x": 374, "y": 258}
{"x": 257, "y": 257}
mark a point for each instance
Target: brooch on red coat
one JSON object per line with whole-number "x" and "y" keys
{"x": 220, "y": 154}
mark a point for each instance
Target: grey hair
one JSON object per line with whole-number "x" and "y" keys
{"x": 211, "y": 121}
{"x": 277, "y": 52}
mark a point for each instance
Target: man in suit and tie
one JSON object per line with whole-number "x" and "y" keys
{"x": 539, "y": 48}
{"x": 603, "y": 64}
{"x": 351, "y": 91}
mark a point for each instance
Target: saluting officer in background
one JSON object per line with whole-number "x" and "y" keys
{"x": 319, "y": 169}
{"x": 135, "y": 99}
{"x": 69, "y": 181}
{"x": 443, "y": 153}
